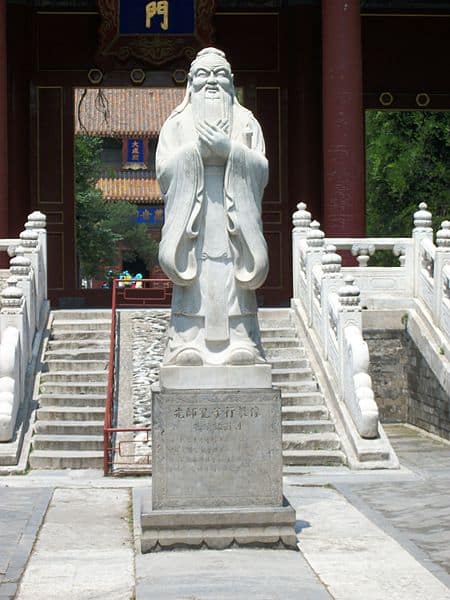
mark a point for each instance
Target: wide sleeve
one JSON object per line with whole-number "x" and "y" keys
{"x": 179, "y": 170}
{"x": 245, "y": 179}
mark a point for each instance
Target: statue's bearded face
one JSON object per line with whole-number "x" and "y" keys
{"x": 211, "y": 75}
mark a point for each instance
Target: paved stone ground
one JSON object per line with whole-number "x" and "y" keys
{"x": 363, "y": 536}
{"x": 21, "y": 514}
{"x": 84, "y": 549}
{"x": 420, "y": 509}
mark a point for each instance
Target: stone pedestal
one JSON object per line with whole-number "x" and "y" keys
{"x": 217, "y": 471}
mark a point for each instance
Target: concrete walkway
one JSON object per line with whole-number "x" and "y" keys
{"x": 363, "y": 536}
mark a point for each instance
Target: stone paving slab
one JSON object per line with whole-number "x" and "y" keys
{"x": 21, "y": 514}
{"x": 355, "y": 558}
{"x": 84, "y": 550}
{"x": 236, "y": 574}
{"x": 419, "y": 509}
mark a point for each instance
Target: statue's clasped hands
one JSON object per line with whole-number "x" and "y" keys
{"x": 214, "y": 138}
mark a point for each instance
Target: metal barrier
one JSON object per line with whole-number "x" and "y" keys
{"x": 143, "y": 293}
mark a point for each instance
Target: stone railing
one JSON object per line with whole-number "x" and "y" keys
{"x": 23, "y": 317}
{"x": 332, "y": 297}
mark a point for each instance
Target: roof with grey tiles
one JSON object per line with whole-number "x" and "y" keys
{"x": 122, "y": 112}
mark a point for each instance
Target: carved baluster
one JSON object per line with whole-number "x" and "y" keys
{"x": 363, "y": 252}
{"x": 399, "y": 250}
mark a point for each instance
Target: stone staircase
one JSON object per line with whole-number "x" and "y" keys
{"x": 68, "y": 431}
{"x": 309, "y": 435}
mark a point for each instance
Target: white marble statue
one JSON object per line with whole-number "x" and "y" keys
{"x": 212, "y": 170}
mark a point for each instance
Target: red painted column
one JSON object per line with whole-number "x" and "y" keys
{"x": 4, "y": 232}
{"x": 343, "y": 130}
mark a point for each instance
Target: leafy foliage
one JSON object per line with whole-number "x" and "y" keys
{"x": 408, "y": 162}
{"x": 101, "y": 228}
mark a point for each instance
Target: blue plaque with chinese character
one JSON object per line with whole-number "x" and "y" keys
{"x": 157, "y": 17}
{"x": 150, "y": 215}
{"x": 135, "y": 150}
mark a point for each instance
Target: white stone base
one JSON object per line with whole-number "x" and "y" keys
{"x": 215, "y": 377}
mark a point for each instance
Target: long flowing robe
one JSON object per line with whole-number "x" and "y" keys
{"x": 212, "y": 245}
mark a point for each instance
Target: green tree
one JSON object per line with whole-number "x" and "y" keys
{"x": 134, "y": 237}
{"x": 408, "y": 162}
{"x": 102, "y": 226}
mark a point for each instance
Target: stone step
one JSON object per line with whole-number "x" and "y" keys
{"x": 288, "y": 363}
{"x": 282, "y": 353}
{"x": 75, "y": 400}
{"x": 307, "y": 426}
{"x": 101, "y": 354}
{"x": 302, "y": 399}
{"x": 79, "y": 387}
{"x": 80, "y": 345}
{"x": 81, "y": 334}
{"x": 66, "y": 459}
{"x": 298, "y": 413}
{"x": 297, "y": 386}
{"x": 72, "y": 377}
{"x": 68, "y": 427}
{"x": 85, "y": 324}
{"x": 275, "y": 342}
{"x": 274, "y": 323}
{"x": 67, "y": 442}
{"x": 313, "y": 457}
{"x": 70, "y": 413}
{"x": 57, "y": 365}
{"x": 80, "y": 315}
{"x": 289, "y": 374}
{"x": 278, "y": 332}
{"x": 311, "y": 441}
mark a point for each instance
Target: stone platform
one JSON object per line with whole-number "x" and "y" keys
{"x": 218, "y": 529}
{"x": 217, "y": 471}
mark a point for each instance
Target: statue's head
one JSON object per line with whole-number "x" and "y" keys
{"x": 210, "y": 74}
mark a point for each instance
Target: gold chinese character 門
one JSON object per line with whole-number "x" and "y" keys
{"x": 157, "y": 8}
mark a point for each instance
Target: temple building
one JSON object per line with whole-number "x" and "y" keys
{"x": 308, "y": 69}
{"x": 128, "y": 120}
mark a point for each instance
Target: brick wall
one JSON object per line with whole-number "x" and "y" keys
{"x": 429, "y": 405}
{"x": 388, "y": 369}
{"x": 405, "y": 387}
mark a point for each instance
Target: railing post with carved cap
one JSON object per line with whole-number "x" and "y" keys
{"x": 441, "y": 314}
{"x": 37, "y": 222}
{"x": 301, "y": 220}
{"x": 331, "y": 280}
{"x": 315, "y": 241}
{"x": 422, "y": 230}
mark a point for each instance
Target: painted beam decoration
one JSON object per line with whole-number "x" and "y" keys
{"x": 156, "y": 31}
{"x": 150, "y": 215}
